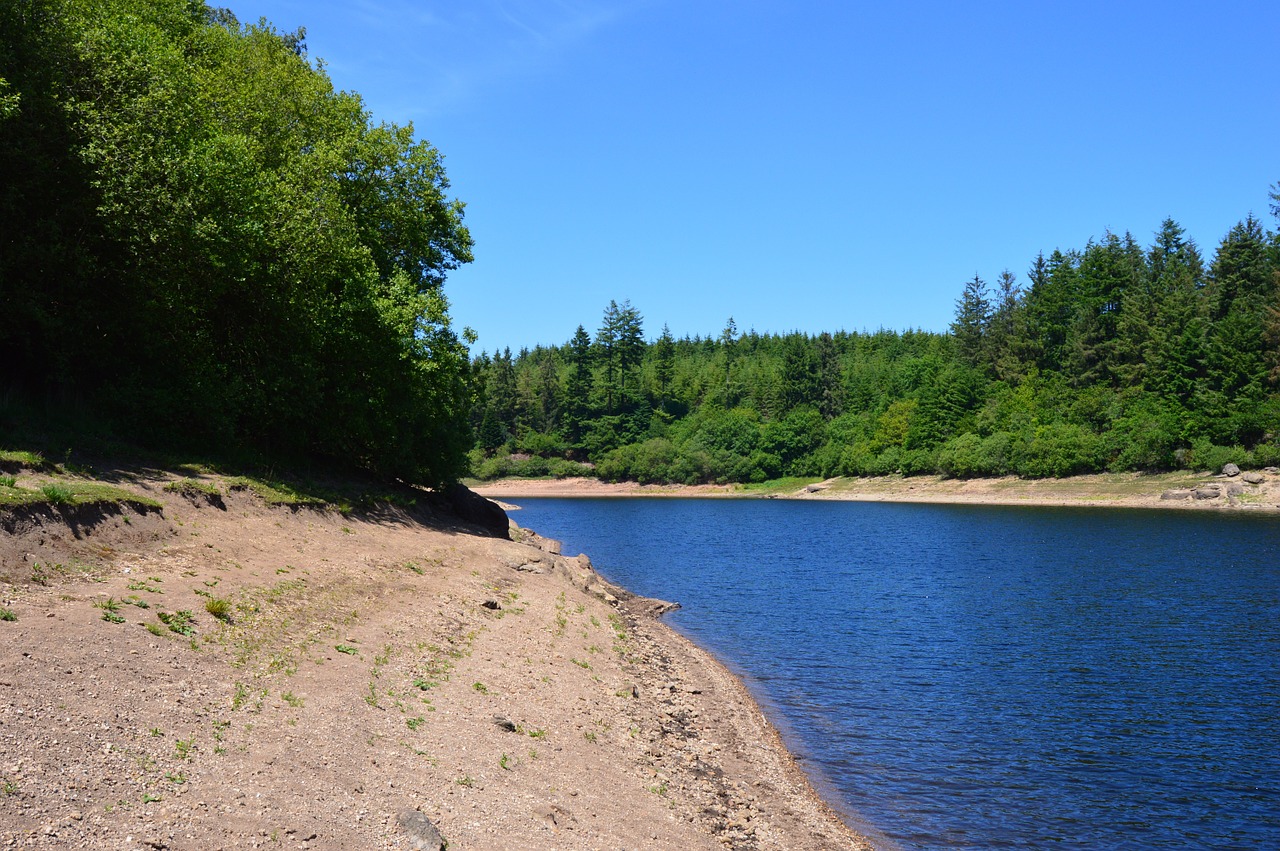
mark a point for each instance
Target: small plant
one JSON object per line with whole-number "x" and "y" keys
{"x": 581, "y": 664}
{"x": 176, "y": 778}
{"x": 155, "y": 629}
{"x": 346, "y": 648}
{"x": 466, "y": 780}
{"x": 111, "y": 610}
{"x": 148, "y": 798}
{"x": 140, "y": 585}
{"x": 414, "y": 568}
{"x": 505, "y": 762}
{"x": 136, "y": 601}
{"x": 241, "y": 695}
{"x": 56, "y": 493}
{"x": 183, "y": 748}
{"x": 538, "y": 734}
{"x": 7, "y": 614}
{"x": 422, "y": 684}
{"x": 292, "y": 699}
{"x": 8, "y": 481}
{"x": 415, "y": 723}
{"x": 182, "y": 621}
{"x": 590, "y": 736}
{"x": 219, "y": 607}
{"x": 157, "y": 733}
{"x": 9, "y": 787}
{"x": 39, "y": 576}
{"x": 481, "y": 687}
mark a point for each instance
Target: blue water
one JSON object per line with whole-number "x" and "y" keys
{"x": 985, "y": 677}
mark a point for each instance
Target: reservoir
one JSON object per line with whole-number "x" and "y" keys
{"x": 976, "y": 677}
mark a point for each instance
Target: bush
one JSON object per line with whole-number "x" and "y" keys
{"x": 1060, "y": 449}
{"x": 1207, "y": 456}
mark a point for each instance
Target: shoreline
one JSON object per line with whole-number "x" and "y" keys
{"x": 1165, "y": 491}
{"x": 372, "y": 674}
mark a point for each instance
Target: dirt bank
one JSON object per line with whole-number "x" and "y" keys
{"x": 369, "y": 668}
{"x": 1183, "y": 490}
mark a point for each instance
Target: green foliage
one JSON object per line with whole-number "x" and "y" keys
{"x": 206, "y": 241}
{"x": 1111, "y": 358}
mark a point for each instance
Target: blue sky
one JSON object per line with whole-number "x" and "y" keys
{"x": 805, "y": 165}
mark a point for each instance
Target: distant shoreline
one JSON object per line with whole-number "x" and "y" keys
{"x": 1181, "y": 490}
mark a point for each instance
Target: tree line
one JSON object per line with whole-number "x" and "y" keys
{"x": 207, "y": 245}
{"x": 1114, "y": 356}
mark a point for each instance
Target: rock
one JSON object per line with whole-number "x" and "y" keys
{"x": 423, "y": 835}
{"x": 1229, "y": 469}
{"x": 1253, "y": 477}
{"x": 492, "y": 605}
{"x": 1233, "y": 489}
{"x": 1206, "y": 492}
{"x": 504, "y": 723}
{"x": 1179, "y": 493}
{"x": 475, "y": 509}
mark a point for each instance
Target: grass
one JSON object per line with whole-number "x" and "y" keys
{"x": 275, "y": 492}
{"x": 7, "y": 614}
{"x": 219, "y": 607}
{"x": 72, "y": 493}
{"x": 10, "y": 458}
{"x": 110, "y": 610}
{"x": 193, "y": 486}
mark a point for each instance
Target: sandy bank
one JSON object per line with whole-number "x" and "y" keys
{"x": 372, "y": 668}
{"x": 1182, "y": 490}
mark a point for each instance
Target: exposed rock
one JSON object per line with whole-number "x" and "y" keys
{"x": 1253, "y": 477}
{"x": 475, "y": 509}
{"x": 423, "y": 835}
{"x": 504, "y": 723}
{"x": 492, "y": 605}
{"x": 1177, "y": 493}
{"x": 1207, "y": 492}
{"x": 814, "y": 488}
{"x": 1229, "y": 469}
{"x": 1233, "y": 489}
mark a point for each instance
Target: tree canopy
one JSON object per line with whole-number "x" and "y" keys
{"x": 1108, "y": 357}
{"x": 206, "y": 242}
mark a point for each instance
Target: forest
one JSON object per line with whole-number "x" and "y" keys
{"x": 205, "y": 245}
{"x": 1110, "y": 357}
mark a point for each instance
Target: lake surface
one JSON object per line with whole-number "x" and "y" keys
{"x": 984, "y": 677}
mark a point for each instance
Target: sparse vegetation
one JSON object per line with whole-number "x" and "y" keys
{"x": 7, "y": 614}
{"x": 182, "y": 621}
{"x": 219, "y": 607}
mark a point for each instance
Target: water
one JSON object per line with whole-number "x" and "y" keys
{"x": 984, "y": 677}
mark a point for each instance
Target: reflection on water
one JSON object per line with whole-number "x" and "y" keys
{"x": 979, "y": 677}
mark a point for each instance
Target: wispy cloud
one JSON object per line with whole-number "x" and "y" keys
{"x": 446, "y": 53}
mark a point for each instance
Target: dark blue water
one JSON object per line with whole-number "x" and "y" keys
{"x": 984, "y": 677}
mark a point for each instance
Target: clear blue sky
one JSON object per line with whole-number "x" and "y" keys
{"x": 803, "y": 165}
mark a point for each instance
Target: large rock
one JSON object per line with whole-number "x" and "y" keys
{"x": 1177, "y": 493}
{"x": 1229, "y": 469}
{"x": 1206, "y": 492}
{"x": 472, "y": 508}
{"x": 423, "y": 835}
{"x": 1253, "y": 477}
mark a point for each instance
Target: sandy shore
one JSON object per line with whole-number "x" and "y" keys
{"x": 1182, "y": 490}
{"x": 376, "y": 678}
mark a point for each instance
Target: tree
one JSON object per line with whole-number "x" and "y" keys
{"x": 578, "y": 387}
{"x": 664, "y": 362}
{"x": 973, "y": 317}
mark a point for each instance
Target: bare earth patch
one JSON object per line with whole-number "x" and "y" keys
{"x": 322, "y": 681}
{"x": 1123, "y": 490}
